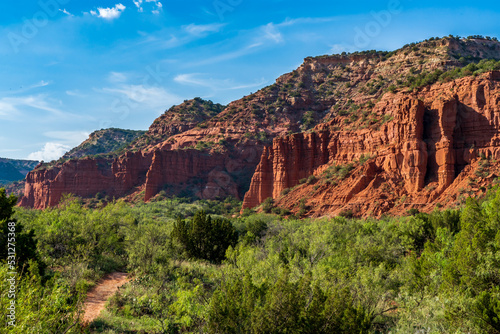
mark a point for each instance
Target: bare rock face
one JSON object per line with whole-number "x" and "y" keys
{"x": 207, "y": 176}
{"x": 85, "y": 178}
{"x": 181, "y": 166}
{"x": 432, "y": 140}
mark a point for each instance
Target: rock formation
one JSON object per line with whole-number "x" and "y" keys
{"x": 433, "y": 135}
{"x": 347, "y": 124}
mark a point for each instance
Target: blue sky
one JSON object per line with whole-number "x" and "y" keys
{"x": 71, "y": 67}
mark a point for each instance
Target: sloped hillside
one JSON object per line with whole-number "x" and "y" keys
{"x": 439, "y": 145}
{"x": 14, "y": 170}
{"x": 213, "y": 153}
{"x": 102, "y": 142}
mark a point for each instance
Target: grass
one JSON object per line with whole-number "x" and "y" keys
{"x": 109, "y": 323}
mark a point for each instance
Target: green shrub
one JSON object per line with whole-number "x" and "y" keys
{"x": 205, "y": 238}
{"x": 268, "y": 204}
{"x": 311, "y": 179}
{"x": 13, "y": 236}
{"x": 284, "y": 307}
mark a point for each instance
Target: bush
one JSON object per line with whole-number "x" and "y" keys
{"x": 346, "y": 213}
{"x": 268, "y": 204}
{"x": 311, "y": 179}
{"x": 205, "y": 238}
{"x": 240, "y": 306}
{"x": 412, "y": 212}
{"x": 13, "y": 232}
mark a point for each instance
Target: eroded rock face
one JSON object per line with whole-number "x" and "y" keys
{"x": 433, "y": 135}
{"x": 181, "y": 166}
{"x": 85, "y": 178}
{"x": 207, "y": 176}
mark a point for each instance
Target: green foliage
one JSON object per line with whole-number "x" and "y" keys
{"x": 204, "y": 145}
{"x": 40, "y": 307}
{"x": 102, "y": 142}
{"x": 427, "y": 78}
{"x": 268, "y": 204}
{"x": 13, "y": 236}
{"x": 284, "y": 307}
{"x": 364, "y": 158}
{"x": 346, "y": 213}
{"x": 338, "y": 172}
{"x": 205, "y": 238}
{"x": 436, "y": 272}
{"x": 311, "y": 179}
{"x": 255, "y": 230}
{"x": 308, "y": 120}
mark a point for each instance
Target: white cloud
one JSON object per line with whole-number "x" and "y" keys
{"x": 42, "y": 83}
{"x": 12, "y": 105}
{"x": 198, "y": 30}
{"x": 228, "y": 56}
{"x": 272, "y": 33}
{"x": 139, "y": 97}
{"x": 306, "y": 20}
{"x": 50, "y": 151}
{"x": 72, "y": 138}
{"x": 109, "y": 13}
{"x": 117, "y": 77}
{"x": 138, "y": 4}
{"x": 255, "y": 40}
{"x": 156, "y": 3}
{"x": 8, "y": 108}
{"x": 75, "y": 92}
{"x": 66, "y": 12}
{"x": 196, "y": 79}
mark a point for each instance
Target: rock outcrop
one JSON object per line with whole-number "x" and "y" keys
{"x": 430, "y": 139}
{"x": 195, "y": 172}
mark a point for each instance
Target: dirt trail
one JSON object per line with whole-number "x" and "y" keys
{"x": 97, "y": 297}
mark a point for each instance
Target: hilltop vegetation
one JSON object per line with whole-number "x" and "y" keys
{"x": 436, "y": 273}
{"x": 177, "y": 119}
{"x": 102, "y": 142}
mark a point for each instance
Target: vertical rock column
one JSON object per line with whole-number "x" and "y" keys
{"x": 261, "y": 186}
{"x": 414, "y": 150}
{"x": 445, "y": 154}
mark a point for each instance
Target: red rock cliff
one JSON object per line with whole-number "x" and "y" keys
{"x": 431, "y": 138}
{"x": 203, "y": 174}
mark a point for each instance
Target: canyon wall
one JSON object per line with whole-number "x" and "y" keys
{"x": 198, "y": 173}
{"x": 428, "y": 140}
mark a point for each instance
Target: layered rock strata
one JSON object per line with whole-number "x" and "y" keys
{"x": 431, "y": 136}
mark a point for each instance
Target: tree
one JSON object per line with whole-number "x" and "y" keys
{"x": 13, "y": 235}
{"x": 205, "y": 238}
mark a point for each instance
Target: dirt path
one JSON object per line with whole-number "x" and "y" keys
{"x": 97, "y": 297}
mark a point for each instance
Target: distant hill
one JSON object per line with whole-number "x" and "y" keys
{"x": 102, "y": 142}
{"x": 14, "y": 170}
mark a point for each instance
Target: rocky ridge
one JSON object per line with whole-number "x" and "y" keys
{"x": 216, "y": 156}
